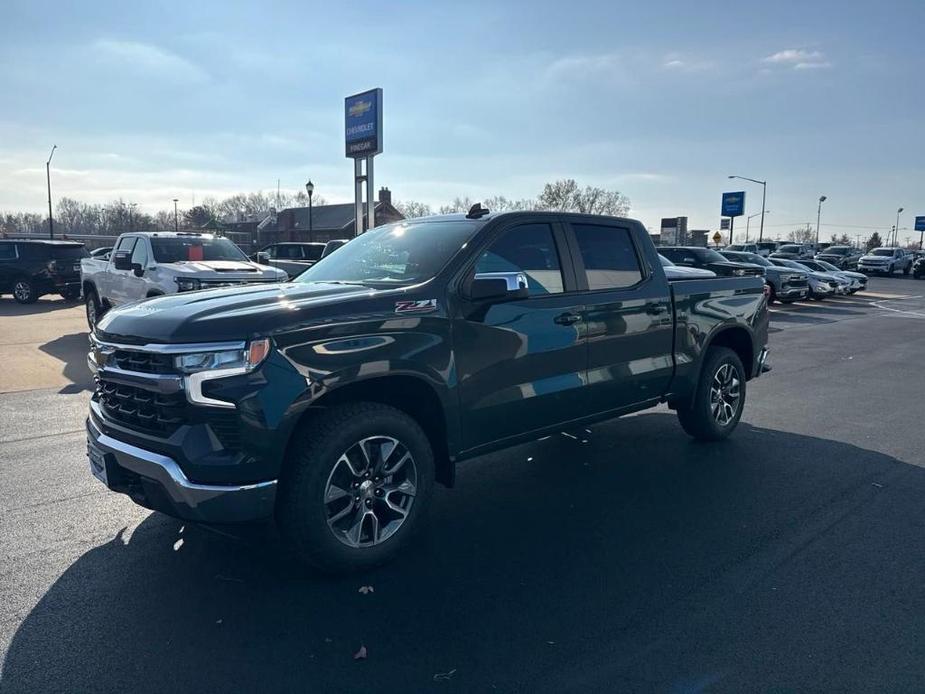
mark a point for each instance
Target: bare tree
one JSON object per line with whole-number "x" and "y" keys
{"x": 805, "y": 234}
{"x": 565, "y": 196}
{"x": 499, "y": 203}
{"x": 458, "y": 205}
{"x": 413, "y": 208}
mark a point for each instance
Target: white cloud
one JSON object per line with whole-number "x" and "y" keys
{"x": 798, "y": 59}
{"x": 150, "y": 59}
{"x": 606, "y": 65}
{"x": 679, "y": 63}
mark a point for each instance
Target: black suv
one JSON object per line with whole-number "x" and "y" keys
{"x": 708, "y": 259}
{"x": 31, "y": 268}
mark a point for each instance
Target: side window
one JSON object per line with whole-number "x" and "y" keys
{"x": 140, "y": 254}
{"x": 34, "y": 251}
{"x": 126, "y": 243}
{"x": 7, "y": 251}
{"x": 270, "y": 251}
{"x": 609, "y": 256}
{"x": 531, "y": 249}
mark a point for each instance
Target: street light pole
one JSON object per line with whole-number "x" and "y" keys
{"x": 818, "y": 216}
{"x": 748, "y": 221}
{"x": 896, "y": 233}
{"x": 310, "y": 189}
{"x": 51, "y": 223}
{"x": 764, "y": 195}
{"x": 176, "y": 217}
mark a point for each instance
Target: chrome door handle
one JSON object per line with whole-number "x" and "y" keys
{"x": 655, "y": 309}
{"x": 567, "y": 319}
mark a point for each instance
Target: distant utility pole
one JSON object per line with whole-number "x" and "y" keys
{"x": 51, "y": 223}
{"x": 176, "y": 218}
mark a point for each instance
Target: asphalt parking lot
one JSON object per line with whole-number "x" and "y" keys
{"x": 629, "y": 558}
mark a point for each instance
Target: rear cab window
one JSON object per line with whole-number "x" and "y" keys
{"x": 609, "y": 256}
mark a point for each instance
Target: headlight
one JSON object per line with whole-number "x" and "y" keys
{"x": 188, "y": 285}
{"x": 247, "y": 359}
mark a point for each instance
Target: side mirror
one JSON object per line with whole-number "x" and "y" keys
{"x": 263, "y": 258}
{"x": 122, "y": 260}
{"x": 498, "y": 286}
{"x": 138, "y": 269}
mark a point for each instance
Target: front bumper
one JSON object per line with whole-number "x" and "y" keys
{"x": 155, "y": 481}
{"x": 793, "y": 293}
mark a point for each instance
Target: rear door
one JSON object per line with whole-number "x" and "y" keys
{"x": 627, "y": 315}
{"x": 521, "y": 364}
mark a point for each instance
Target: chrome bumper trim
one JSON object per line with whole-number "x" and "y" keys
{"x": 208, "y": 503}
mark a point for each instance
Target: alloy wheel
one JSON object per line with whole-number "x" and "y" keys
{"x": 22, "y": 291}
{"x": 725, "y": 394}
{"x": 370, "y": 491}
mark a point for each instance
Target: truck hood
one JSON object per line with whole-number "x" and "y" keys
{"x": 230, "y": 313}
{"x": 232, "y": 269}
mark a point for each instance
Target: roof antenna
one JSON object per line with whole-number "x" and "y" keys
{"x": 477, "y": 211}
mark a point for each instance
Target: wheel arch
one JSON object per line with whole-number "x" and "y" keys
{"x": 411, "y": 394}
{"x": 740, "y": 341}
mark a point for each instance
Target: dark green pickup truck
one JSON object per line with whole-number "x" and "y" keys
{"x": 333, "y": 403}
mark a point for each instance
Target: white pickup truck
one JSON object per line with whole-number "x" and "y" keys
{"x": 146, "y": 264}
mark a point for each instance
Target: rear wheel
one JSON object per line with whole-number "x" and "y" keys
{"x": 356, "y": 487}
{"x": 71, "y": 294}
{"x": 24, "y": 291}
{"x": 717, "y": 405}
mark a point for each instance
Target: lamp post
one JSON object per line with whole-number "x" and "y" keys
{"x": 748, "y": 221}
{"x": 822, "y": 199}
{"x": 764, "y": 192}
{"x": 310, "y": 188}
{"x": 176, "y": 217}
{"x": 896, "y": 232}
{"x": 51, "y": 224}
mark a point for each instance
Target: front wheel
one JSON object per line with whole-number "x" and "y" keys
{"x": 356, "y": 486}
{"x": 71, "y": 294}
{"x": 907, "y": 270}
{"x": 94, "y": 310}
{"x": 717, "y": 405}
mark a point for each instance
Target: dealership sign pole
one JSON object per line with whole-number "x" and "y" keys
{"x": 733, "y": 206}
{"x": 363, "y": 140}
{"x": 920, "y": 227}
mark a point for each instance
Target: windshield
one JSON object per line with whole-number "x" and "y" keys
{"x": 708, "y": 255}
{"x": 68, "y": 252}
{"x": 837, "y": 250}
{"x": 881, "y": 251}
{"x": 799, "y": 266}
{"x": 789, "y": 249}
{"x": 396, "y": 254}
{"x": 756, "y": 259}
{"x": 181, "y": 249}
{"x": 827, "y": 266}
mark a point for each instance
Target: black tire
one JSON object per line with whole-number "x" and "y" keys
{"x": 906, "y": 270}
{"x": 772, "y": 295}
{"x": 94, "y": 310}
{"x": 71, "y": 294}
{"x": 315, "y": 458}
{"x": 24, "y": 291}
{"x": 698, "y": 418}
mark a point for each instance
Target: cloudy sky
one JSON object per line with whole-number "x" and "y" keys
{"x": 661, "y": 100}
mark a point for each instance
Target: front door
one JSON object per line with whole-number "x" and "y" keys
{"x": 521, "y": 364}
{"x": 627, "y": 316}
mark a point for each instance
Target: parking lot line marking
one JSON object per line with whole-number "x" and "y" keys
{"x": 904, "y": 312}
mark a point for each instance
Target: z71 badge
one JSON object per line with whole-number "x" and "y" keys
{"x": 420, "y": 306}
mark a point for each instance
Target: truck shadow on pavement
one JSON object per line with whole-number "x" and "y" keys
{"x": 72, "y": 350}
{"x": 10, "y": 307}
{"x": 639, "y": 560}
